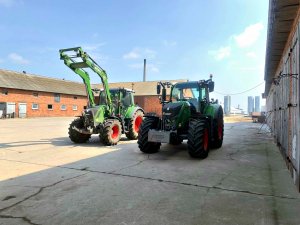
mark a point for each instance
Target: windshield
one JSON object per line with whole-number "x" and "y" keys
{"x": 185, "y": 91}
{"x": 113, "y": 94}
{"x": 190, "y": 92}
{"x": 126, "y": 98}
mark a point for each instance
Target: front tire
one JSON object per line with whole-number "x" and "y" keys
{"x": 143, "y": 143}
{"x": 74, "y": 135}
{"x": 198, "y": 138}
{"x": 134, "y": 125}
{"x": 111, "y": 132}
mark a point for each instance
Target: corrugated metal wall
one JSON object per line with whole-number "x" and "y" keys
{"x": 283, "y": 107}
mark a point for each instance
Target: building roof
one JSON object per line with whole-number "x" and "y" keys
{"x": 141, "y": 88}
{"x": 282, "y": 14}
{"x": 21, "y": 81}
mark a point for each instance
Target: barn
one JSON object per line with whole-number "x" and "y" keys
{"x": 282, "y": 81}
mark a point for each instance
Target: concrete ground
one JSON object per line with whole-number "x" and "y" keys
{"x": 46, "y": 179}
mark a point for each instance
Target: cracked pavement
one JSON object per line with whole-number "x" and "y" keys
{"x": 46, "y": 179}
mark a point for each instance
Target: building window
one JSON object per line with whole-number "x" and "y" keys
{"x": 63, "y": 107}
{"x": 57, "y": 97}
{"x": 50, "y": 107}
{"x": 35, "y": 94}
{"x": 75, "y": 97}
{"x": 74, "y": 107}
{"x": 35, "y": 106}
{"x": 4, "y": 92}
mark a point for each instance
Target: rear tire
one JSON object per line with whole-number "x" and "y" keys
{"x": 145, "y": 146}
{"x": 198, "y": 138}
{"x": 74, "y": 135}
{"x": 218, "y": 130}
{"x": 134, "y": 125}
{"x": 111, "y": 132}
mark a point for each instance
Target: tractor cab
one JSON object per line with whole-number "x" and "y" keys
{"x": 191, "y": 92}
{"x": 122, "y": 99}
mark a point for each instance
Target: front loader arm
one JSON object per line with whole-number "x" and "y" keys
{"x": 85, "y": 62}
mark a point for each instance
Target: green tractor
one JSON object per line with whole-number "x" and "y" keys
{"x": 111, "y": 114}
{"x": 188, "y": 114}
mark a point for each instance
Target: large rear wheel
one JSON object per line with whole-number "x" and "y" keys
{"x": 198, "y": 138}
{"x": 134, "y": 125}
{"x": 76, "y": 136}
{"x": 143, "y": 143}
{"x": 218, "y": 130}
{"x": 111, "y": 132}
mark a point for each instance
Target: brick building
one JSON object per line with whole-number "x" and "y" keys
{"x": 27, "y": 95}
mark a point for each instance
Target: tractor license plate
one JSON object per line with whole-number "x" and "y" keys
{"x": 159, "y": 136}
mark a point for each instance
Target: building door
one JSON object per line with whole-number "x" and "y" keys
{"x": 2, "y": 109}
{"x": 10, "y": 109}
{"x": 22, "y": 110}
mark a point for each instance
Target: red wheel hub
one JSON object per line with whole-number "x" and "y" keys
{"x": 115, "y": 131}
{"x": 137, "y": 123}
{"x": 205, "y": 139}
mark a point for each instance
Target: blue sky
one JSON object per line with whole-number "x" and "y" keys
{"x": 180, "y": 39}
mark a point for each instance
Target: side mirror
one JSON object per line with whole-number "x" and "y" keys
{"x": 211, "y": 86}
{"x": 158, "y": 89}
{"x": 164, "y": 95}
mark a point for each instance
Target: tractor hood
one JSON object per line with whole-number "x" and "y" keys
{"x": 172, "y": 109}
{"x": 176, "y": 114}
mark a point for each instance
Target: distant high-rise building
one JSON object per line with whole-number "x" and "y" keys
{"x": 257, "y": 104}
{"x": 227, "y": 104}
{"x": 250, "y": 104}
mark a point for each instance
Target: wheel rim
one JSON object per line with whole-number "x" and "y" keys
{"x": 205, "y": 139}
{"x": 115, "y": 131}
{"x": 220, "y": 130}
{"x": 137, "y": 123}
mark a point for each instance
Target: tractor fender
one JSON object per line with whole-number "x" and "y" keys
{"x": 131, "y": 111}
{"x": 211, "y": 111}
{"x": 217, "y": 108}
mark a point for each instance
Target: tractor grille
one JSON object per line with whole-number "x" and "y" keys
{"x": 169, "y": 123}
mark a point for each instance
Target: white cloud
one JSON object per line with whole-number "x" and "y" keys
{"x": 169, "y": 43}
{"x": 9, "y": 3}
{"x": 249, "y": 36}
{"x": 221, "y": 53}
{"x": 92, "y": 47}
{"x": 131, "y": 55}
{"x": 251, "y": 54}
{"x": 150, "y": 67}
{"x": 18, "y": 59}
{"x": 137, "y": 53}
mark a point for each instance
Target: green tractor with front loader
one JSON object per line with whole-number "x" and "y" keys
{"x": 187, "y": 115}
{"x": 111, "y": 114}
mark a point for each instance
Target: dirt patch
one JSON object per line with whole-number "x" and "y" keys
{"x": 235, "y": 119}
